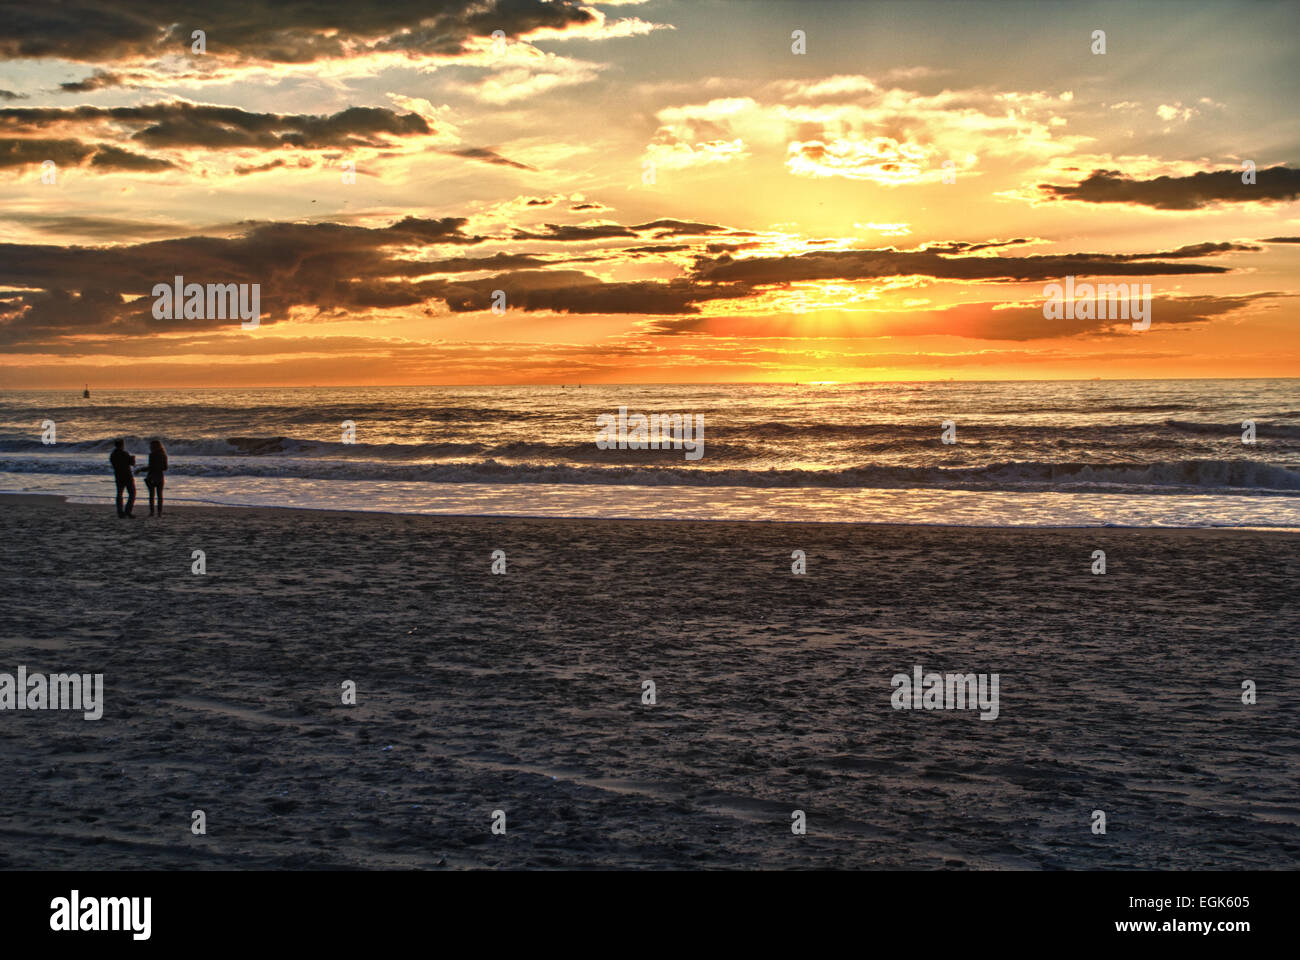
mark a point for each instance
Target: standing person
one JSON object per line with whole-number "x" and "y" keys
{"x": 122, "y": 463}
{"x": 153, "y": 473}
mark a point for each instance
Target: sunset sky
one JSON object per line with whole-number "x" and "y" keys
{"x": 664, "y": 190}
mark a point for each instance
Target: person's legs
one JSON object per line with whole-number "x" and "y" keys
{"x": 130, "y": 495}
{"x": 149, "y": 485}
{"x": 121, "y": 485}
{"x": 159, "y": 486}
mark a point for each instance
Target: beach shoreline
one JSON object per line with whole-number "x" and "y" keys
{"x": 106, "y": 502}
{"x": 523, "y": 692}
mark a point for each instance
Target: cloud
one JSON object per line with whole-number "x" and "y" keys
{"x": 1273, "y": 185}
{"x": 992, "y": 320}
{"x": 699, "y": 134}
{"x": 984, "y": 321}
{"x": 862, "y": 128}
{"x": 527, "y": 80}
{"x": 115, "y": 158}
{"x": 571, "y": 291}
{"x": 305, "y": 270}
{"x": 878, "y": 264}
{"x": 103, "y": 229}
{"x": 575, "y": 233}
{"x": 64, "y": 290}
{"x": 601, "y": 28}
{"x": 498, "y": 261}
{"x": 148, "y": 44}
{"x": 880, "y": 159}
{"x": 271, "y": 31}
{"x": 887, "y": 229}
{"x": 488, "y": 156}
{"x": 680, "y": 228}
{"x": 180, "y": 134}
{"x": 679, "y": 156}
{"x": 99, "y": 80}
{"x": 962, "y": 246}
{"x": 659, "y": 248}
{"x": 603, "y": 231}
{"x": 65, "y": 153}
{"x": 334, "y": 270}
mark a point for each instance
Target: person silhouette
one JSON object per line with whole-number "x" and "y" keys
{"x": 153, "y": 474}
{"x": 122, "y": 463}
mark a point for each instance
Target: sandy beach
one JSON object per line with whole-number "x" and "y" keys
{"x": 522, "y": 692}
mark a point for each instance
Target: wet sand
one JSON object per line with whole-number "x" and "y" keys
{"x": 522, "y": 692}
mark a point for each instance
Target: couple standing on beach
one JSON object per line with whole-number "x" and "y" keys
{"x": 153, "y": 476}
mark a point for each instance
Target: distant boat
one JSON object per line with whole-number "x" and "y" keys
{"x": 86, "y": 393}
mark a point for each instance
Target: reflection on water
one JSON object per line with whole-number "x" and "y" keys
{"x": 958, "y": 507}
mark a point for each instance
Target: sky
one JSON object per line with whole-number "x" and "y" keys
{"x": 521, "y": 191}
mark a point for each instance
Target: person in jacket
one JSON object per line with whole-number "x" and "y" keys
{"x": 122, "y": 462}
{"x": 153, "y": 474}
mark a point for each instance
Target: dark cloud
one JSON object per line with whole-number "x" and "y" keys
{"x": 245, "y": 170}
{"x": 100, "y": 228}
{"x": 199, "y": 125}
{"x": 21, "y": 152}
{"x": 973, "y": 321}
{"x": 571, "y": 291}
{"x": 119, "y": 159}
{"x": 321, "y": 266}
{"x": 731, "y": 247}
{"x": 984, "y": 322}
{"x": 267, "y": 30}
{"x": 98, "y": 80}
{"x": 1280, "y": 240}
{"x": 489, "y": 156}
{"x": 498, "y": 261}
{"x": 572, "y": 234}
{"x": 676, "y": 228}
{"x": 181, "y": 124}
{"x": 17, "y": 152}
{"x": 659, "y": 248}
{"x": 338, "y": 269}
{"x": 961, "y": 246}
{"x": 604, "y": 231}
{"x": 331, "y": 269}
{"x": 587, "y": 206}
{"x": 873, "y": 264}
{"x": 172, "y": 127}
{"x": 1194, "y": 250}
{"x": 10, "y": 95}
{"x": 1273, "y": 185}
{"x": 104, "y": 347}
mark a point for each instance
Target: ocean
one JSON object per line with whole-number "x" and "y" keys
{"x": 1042, "y": 453}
